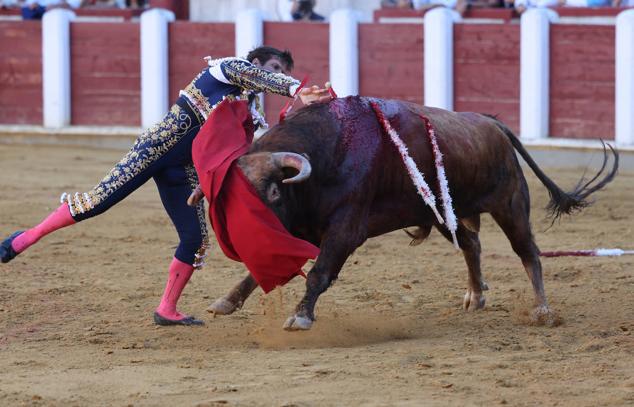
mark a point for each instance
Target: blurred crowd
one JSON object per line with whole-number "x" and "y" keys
{"x": 289, "y": 10}
{"x": 34, "y": 9}
{"x": 298, "y": 10}
{"x": 519, "y": 5}
{"x": 304, "y": 10}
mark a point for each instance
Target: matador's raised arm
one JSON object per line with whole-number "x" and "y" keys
{"x": 244, "y": 74}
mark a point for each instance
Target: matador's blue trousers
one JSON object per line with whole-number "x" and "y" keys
{"x": 162, "y": 152}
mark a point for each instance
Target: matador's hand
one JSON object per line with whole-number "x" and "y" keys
{"x": 195, "y": 197}
{"x": 314, "y": 95}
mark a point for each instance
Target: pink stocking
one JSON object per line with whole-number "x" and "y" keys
{"x": 179, "y": 274}
{"x": 56, "y": 220}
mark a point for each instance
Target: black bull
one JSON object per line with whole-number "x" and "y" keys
{"x": 353, "y": 185}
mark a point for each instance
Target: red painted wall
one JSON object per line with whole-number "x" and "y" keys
{"x": 21, "y": 72}
{"x": 487, "y": 70}
{"x": 582, "y": 65}
{"x": 105, "y": 74}
{"x": 189, "y": 44}
{"x": 106, "y": 69}
{"x": 391, "y": 61}
{"x": 308, "y": 43}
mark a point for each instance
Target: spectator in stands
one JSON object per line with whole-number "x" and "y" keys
{"x": 101, "y": 4}
{"x": 587, "y": 3}
{"x": 302, "y": 10}
{"x": 136, "y": 3}
{"x": 622, "y": 3}
{"x": 396, "y": 3}
{"x": 459, "y": 5}
{"x": 487, "y": 4}
{"x": 10, "y": 3}
{"x": 35, "y": 9}
{"x": 122, "y": 4}
{"x": 522, "y": 5}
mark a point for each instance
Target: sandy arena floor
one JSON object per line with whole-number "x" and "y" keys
{"x": 76, "y": 329}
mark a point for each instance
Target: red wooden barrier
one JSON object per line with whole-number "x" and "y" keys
{"x": 105, "y": 69}
{"x": 21, "y": 72}
{"x": 582, "y": 66}
{"x": 391, "y": 61}
{"x": 105, "y": 74}
{"x": 308, "y": 43}
{"x": 487, "y": 70}
{"x": 189, "y": 44}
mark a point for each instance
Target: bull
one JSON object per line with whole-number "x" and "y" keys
{"x": 332, "y": 176}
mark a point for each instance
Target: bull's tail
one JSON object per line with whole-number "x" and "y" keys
{"x": 562, "y": 202}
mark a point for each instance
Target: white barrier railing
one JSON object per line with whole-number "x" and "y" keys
{"x": 154, "y": 65}
{"x": 535, "y": 73}
{"x": 344, "y": 52}
{"x": 56, "y": 67}
{"x": 344, "y": 64}
{"x": 624, "y": 81}
{"x": 438, "y": 57}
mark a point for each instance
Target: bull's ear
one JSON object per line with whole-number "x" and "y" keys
{"x": 273, "y": 193}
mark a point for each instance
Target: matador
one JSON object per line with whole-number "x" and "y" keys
{"x": 163, "y": 152}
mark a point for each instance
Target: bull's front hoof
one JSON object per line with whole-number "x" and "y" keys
{"x": 297, "y": 323}
{"x": 223, "y": 306}
{"x": 544, "y": 316}
{"x": 473, "y": 301}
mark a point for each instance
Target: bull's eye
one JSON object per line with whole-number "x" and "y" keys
{"x": 273, "y": 193}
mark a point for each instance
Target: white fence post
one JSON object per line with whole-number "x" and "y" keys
{"x": 438, "y": 57}
{"x": 154, "y": 65}
{"x": 624, "y": 103}
{"x": 344, "y": 52}
{"x": 535, "y": 72}
{"x": 249, "y": 31}
{"x": 56, "y": 67}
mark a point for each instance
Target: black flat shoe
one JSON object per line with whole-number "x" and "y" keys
{"x": 187, "y": 321}
{"x": 6, "y": 250}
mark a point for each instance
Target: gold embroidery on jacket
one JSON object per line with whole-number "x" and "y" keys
{"x": 248, "y": 76}
{"x": 196, "y": 96}
{"x": 149, "y": 147}
{"x": 201, "y": 253}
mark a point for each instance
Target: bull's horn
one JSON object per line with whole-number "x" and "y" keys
{"x": 293, "y": 160}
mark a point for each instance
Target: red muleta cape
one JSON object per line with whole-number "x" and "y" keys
{"x": 246, "y": 229}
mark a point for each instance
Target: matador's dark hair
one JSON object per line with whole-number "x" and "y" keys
{"x": 264, "y": 53}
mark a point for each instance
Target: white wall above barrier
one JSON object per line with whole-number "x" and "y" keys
{"x": 56, "y": 67}
{"x": 624, "y": 103}
{"x": 154, "y": 65}
{"x": 344, "y": 52}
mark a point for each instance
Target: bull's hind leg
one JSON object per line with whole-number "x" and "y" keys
{"x": 469, "y": 242}
{"x": 514, "y": 221}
